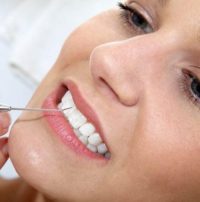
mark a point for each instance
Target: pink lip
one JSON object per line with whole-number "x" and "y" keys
{"x": 62, "y": 128}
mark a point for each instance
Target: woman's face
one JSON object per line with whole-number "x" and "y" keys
{"x": 133, "y": 73}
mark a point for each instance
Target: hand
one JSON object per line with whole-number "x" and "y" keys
{"x": 4, "y": 125}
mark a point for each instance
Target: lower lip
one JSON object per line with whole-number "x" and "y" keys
{"x": 62, "y": 128}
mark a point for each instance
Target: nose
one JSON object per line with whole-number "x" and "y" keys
{"x": 126, "y": 68}
{"x": 115, "y": 69}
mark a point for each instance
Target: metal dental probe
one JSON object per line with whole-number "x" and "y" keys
{"x": 6, "y": 108}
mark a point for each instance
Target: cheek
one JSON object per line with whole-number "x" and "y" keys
{"x": 32, "y": 149}
{"x": 38, "y": 158}
{"x": 80, "y": 44}
{"x": 167, "y": 145}
{"x": 173, "y": 168}
{"x": 171, "y": 157}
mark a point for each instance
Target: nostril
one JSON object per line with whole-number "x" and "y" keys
{"x": 108, "y": 90}
{"x": 125, "y": 97}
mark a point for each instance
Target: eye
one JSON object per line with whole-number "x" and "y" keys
{"x": 191, "y": 87}
{"x": 135, "y": 19}
{"x": 195, "y": 87}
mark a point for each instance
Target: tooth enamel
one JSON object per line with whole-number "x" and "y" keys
{"x": 92, "y": 148}
{"x": 84, "y": 130}
{"x": 102, "y": 149}
{"x": 77, "y": 119}
{"x": 67, "y": 100}
{"x": 87, "y": 129}
{"x": 83, "y": 139}
{"x": 77, "y": 132}
{"x": 95, "y": 139}
{"x": 107, "y": 155}
{"x": 60, "y": 106}
{"x": 68, "y": 112}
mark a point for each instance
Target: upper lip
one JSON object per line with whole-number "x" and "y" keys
{"x": 84, "y": 106}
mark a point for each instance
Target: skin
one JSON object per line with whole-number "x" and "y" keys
{"x": 157, "y": 129}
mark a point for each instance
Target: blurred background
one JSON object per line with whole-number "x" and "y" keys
{"x": 31, "y": 35}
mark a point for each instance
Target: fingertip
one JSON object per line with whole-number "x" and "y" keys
{"x": 3, "y": 142}
{"x": 3, "y": 159}
{"x": 4, "y": 123}
{"x": 3, "y": 151}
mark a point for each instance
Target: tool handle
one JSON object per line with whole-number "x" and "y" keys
{"x": 5, "y": 108}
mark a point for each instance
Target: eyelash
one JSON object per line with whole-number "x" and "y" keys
{"x": 186, "y": 86}
{"x": 188, "y": 77}
{"x": 129, "y": 12}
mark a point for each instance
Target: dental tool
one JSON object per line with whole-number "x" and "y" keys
{"x": 6, "y": 108}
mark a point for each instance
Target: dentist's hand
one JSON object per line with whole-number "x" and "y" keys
{"x": 4, "y": 125}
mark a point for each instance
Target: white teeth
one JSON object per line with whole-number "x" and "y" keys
{"x": 83, "y": 139}
{"x": 108, "y": 155}
{"x": 87, "y": 129}
{"x": 84, "y": 130}
{"x": 77, "y": 132}
{"x": 95, "y": 139}
{"x": 68, "y": 112}
{"x": 68, "y": 100}
{"x": 92, "y": 148}
{"x": 102, "y": 149}
{"x": 60, "y": 105}
{"x": 77, "y": 119}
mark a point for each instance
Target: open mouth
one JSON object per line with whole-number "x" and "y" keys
{"x": 77, "y": 124}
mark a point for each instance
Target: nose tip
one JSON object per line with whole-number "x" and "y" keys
{"x": 129, "y": 100}
{"x": 129, "y": 94}
{"x": 125, "y": 95}
{"x": 114, "y": 75}
{"x": 124, "y": 91}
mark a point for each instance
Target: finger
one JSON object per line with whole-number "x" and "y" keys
{"x": 3, "y": 151}
{"x": 4, "y": 123}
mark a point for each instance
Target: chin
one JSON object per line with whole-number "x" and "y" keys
{"x": 30, "y": 154}
{"x": 44, "y": 162}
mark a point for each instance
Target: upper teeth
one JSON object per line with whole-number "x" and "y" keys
{"x": 84, "y": 130}
{"x": 76, "y": 119}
